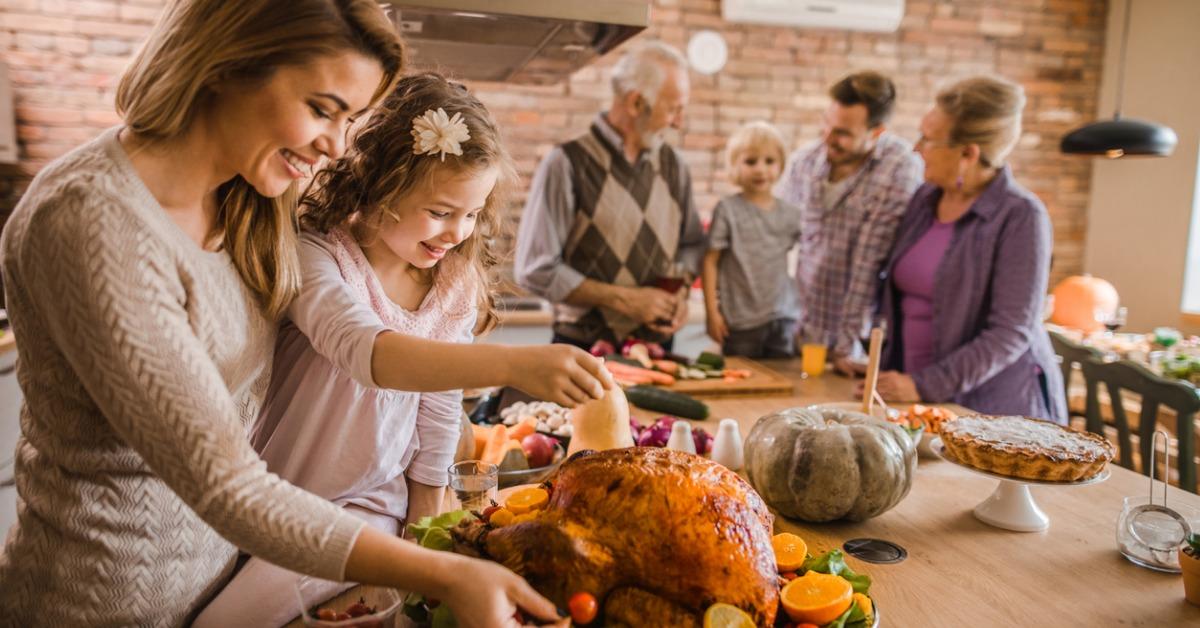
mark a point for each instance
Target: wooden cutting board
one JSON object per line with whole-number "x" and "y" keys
{"x": 762, "y": 381}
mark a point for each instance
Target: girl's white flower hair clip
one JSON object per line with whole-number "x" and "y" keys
{"x": 437, "y": 133}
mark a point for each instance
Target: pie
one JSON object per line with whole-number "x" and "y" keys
{"x": 1025, "y": 448}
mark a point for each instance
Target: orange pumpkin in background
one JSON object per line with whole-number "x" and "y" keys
{"x": 1077, "y": 298}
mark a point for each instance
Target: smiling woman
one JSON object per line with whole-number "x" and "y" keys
{"x": 143, "y": 271}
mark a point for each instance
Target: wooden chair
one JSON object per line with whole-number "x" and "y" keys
{"x": 1154, "y": 390}
{"x": 1072, "y": 354}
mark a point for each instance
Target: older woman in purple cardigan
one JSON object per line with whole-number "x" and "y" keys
{"x": 964, "y": 286}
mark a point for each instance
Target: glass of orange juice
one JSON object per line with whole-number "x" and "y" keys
{"x": 813, "y": 354}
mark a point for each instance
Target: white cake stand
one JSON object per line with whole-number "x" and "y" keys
{"x": 1011, "y": 505}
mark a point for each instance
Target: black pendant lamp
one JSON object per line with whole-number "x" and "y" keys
{"x": 1120, "y": 136}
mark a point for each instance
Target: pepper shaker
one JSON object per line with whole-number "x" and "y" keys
{"x": 727, "y": 446}
{"x": 681, "y": 437}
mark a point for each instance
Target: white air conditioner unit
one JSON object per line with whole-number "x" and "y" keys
{"x": 856, "y": 15}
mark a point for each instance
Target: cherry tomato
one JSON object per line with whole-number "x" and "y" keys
{"x": 327, "y": 614}
{"x": 487, "y": 513}
{"x": 788, "y": 575}
{"x": 583, "y": 608}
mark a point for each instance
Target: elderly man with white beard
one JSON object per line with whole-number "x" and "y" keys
{"x": 610, "y": 232}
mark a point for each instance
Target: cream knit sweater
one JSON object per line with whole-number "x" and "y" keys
{"x": 143, "y": 361}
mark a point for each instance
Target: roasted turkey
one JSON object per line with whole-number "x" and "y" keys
{"x": 656, "y": 535}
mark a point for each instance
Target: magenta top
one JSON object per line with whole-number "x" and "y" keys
{"x": 915, "y": 275}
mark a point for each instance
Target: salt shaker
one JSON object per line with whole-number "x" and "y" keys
{"x": 727, "y": 446}
{"x": 681, "y": 437}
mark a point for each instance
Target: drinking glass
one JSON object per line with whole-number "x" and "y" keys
{"x": 474, "y": 483}
{"x": 813, "y": 354}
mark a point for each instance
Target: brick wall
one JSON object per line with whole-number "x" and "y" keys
{"x": 64, "y": 57}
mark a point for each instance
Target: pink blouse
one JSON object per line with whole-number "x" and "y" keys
{"x": 326, "y": 427}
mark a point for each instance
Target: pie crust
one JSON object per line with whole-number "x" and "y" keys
{"x": 1025, "y": 448}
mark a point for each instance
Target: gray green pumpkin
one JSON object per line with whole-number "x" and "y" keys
{"x": 822, "y": 464}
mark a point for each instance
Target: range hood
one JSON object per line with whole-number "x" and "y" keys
{"x": 518, "y": 41}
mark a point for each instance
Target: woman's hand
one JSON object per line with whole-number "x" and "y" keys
{"x": 718, "y": 330}
{"x": 896, "y": 386}
{"x": 485, "y": 594}
{"x": 848, "y": 367}
{"x": 559, "y": 373}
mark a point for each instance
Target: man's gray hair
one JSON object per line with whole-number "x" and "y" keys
{"x": 644, "y": 69}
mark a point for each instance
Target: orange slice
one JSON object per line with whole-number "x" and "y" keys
{"x": 526, "y": 500}
{"x": 722, "y": 615}
{"x": 817, "y": 598}
{"x": 501, "y": 518}
{"x": 864, "y": 603}
{"x": 790, "y": 551}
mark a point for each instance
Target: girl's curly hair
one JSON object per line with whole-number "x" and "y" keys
{"x": 380, "y": 168}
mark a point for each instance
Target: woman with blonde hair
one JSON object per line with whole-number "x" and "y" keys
{"x": 964, "y": 286}
{"x": 144, "y": 273}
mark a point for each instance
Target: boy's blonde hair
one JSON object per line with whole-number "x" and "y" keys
{"x": 198, "y": 46}
{"x": 380, "y": 168}
{"x": 758, "y": 134}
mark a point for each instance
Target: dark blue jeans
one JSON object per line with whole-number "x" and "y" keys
{"x": 775, "y": 339}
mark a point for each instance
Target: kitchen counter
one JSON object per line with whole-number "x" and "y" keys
{"x": 962, "y": 572}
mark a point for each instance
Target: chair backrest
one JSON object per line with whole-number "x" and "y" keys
{"x": 1070, "y": 354}
{"x": 1155, "y": 391}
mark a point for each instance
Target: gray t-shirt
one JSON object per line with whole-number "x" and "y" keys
{"x": 753, "y": 283}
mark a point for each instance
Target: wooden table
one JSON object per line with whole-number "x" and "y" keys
{"x": 962, "y": 572}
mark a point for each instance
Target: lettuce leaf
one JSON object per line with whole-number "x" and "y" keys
{"x": 433, "y": 533}
{"x": 442, "y": 522}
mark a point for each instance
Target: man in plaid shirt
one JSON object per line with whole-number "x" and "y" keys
{"x": 852, "y": 187}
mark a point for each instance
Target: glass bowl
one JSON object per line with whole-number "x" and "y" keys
{"x": 316, "y": 595}
{"x": 534, "y": 475}
{"x": 1156, "y": 529}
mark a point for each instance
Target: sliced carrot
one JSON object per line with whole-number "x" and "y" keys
{"x": 667, "y": 366}
{"x": 737, "y": 373}
{"x": 633, "y": 372}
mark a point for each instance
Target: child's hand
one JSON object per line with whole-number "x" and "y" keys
{"x": 560, "y": 373}
{"x": 486, "y": 594}
{"x": 717, "y": 329}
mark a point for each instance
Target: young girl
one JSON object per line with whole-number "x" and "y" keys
{"x": 749, "y": 299}
{"x": 395, "y": 248}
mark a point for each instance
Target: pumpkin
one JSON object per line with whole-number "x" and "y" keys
{"x": 1077, "y": 298}
{"x": 601, "y": 423}
{"x": 822, "y": 464}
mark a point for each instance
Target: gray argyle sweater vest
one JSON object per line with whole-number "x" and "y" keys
{"x": 628, "y": 222}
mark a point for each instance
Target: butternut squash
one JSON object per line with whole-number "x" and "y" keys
{"x": 601, "y": 423}
{"x": 493, "y": 451}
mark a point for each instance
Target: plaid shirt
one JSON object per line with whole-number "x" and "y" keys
{"x": 843, "y": 246}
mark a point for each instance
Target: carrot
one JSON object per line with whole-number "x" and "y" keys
{"x": 737, "y": 373}
{"x": 667, "y": 366}
{"x": 630, "y": 372}
{"x": 623, "y": 377}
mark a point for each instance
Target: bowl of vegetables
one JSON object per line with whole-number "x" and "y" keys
{"x": 367, "y": 607}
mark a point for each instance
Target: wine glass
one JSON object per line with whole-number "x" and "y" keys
{"x": 1113, "y": 319}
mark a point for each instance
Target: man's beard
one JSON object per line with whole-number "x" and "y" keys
{"x": 848, "y": 157}
{"x": 650, "y": 140}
